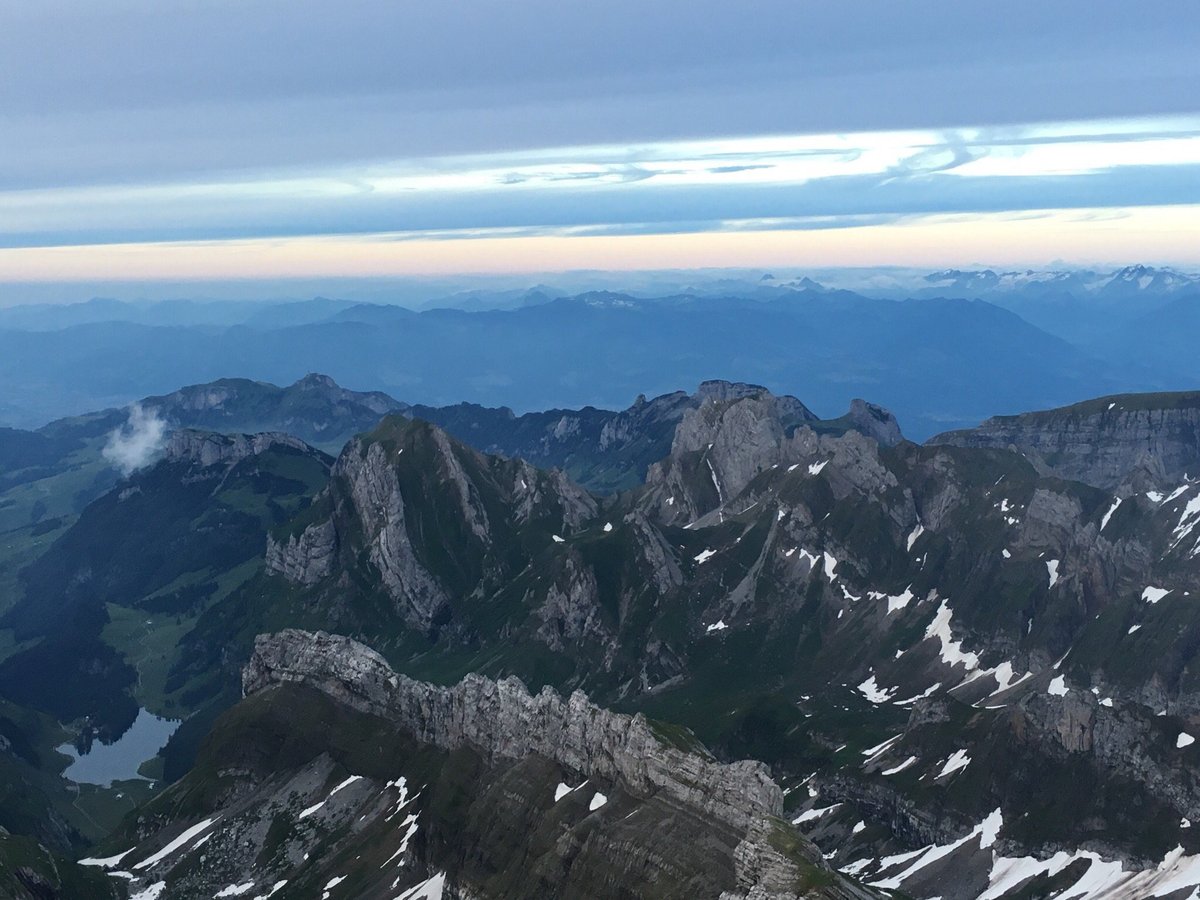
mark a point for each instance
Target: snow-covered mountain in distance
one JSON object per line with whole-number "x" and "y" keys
{"x": 1129, "y": 281}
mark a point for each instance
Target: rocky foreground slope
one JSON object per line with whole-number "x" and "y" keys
{"x": 481, "y": 790}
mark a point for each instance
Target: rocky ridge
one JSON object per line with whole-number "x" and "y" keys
{"x": 503, "y": 720}
{"x": 377, "y": 498}
{"x": 315, "y": 408}
{"x": 1126, "y": 443}
{"x": 208, "y": 448}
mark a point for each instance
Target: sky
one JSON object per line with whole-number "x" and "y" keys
{"x": 266, "y": 140}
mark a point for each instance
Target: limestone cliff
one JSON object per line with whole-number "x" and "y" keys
{"x": 209, "y": 448}
{"x": 1132, "y": 441}
{"x": 502, "y": 720}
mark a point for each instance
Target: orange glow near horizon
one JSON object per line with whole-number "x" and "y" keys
{"x": 1160, "y": 235}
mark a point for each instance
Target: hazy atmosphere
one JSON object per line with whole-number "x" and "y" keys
{"x": 599, "y": 451}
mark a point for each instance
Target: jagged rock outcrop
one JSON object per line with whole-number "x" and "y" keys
{"x": 571, "y": 610}
{"x": 419, "y": 507}
{"x": 502, "y": 720}
{"x": 1129, "y": 442}
{"x": 379, "y": 507}
{"x": 874, "y": 421}
{"x": 305, "y": 558}
{"x": 208, "y": 448}
{"x": 741, "y": 431}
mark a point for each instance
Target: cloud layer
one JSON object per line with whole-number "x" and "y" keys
{"x": 214, "y": 120}
{"x": 665, "y": 187}
{"x": 136, "y": 89}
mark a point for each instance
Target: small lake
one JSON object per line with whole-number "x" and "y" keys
{"x": 105, "y": 763}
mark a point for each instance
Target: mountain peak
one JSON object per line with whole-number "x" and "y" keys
{"x": 317, "y": 380}
{"x": 874, "y": 421}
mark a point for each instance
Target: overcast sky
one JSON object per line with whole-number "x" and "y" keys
{"x": 203, "y": 120}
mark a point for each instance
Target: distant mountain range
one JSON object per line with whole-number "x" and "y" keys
{"x": 942, "y": 353}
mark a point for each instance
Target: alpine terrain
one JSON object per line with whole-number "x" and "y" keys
{"x": 711, "y": 645}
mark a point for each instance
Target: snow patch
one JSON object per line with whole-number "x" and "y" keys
{"x": 916, "y": 533}
{"x": 558, "y": 539}
{"x": 308, "y": 811}
{"x": 717, "y": 626}
{"x": 928, "y": 692}
{"x": 1154, "y": 594}
{"x": 1184, "y": 740}
{"x": 430, "y": 889}
{"x": 1188, "y": 519}
{"x": 874, "y": 693}
{"x": 1108, "y": 515}
{"x": 900, "y": 768}
{"x": 986, "y": 831}
{"x": 811, "y": 814}
{"x": 349, "y": 781}
{"x": 815, "y": 468}
{"x": 107, "y": 862}
{"x": 1058, "y": 687}
{"x": 704, "y": 556}
{"x": 897, "y": 602}
{"x": 951, "y": 651}
{"x": 235, "y": 890}
{"x": 607, "y": 527}
{"x": 598, "y": 800}
{"x": 1052, "y": 570}
{"x": 1005, "y": 677}
{"x": 957, "y": 762}
{"x": 562, "y": 790}
{"x": 180, "y": 841}
{"x": 872, "y": 753}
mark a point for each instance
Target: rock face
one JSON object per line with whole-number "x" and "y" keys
{"x": 741, "y": 431}
{"x": 875, "y": 422}
{"x": 502, "y": 720}
{"x": 607, "y": 451}
{"x": 421, "y": 509}
{"x": 378, "y": 504}
{"x": 314, "y": 408}
{"x": 207, "y": 448}
{"x": 305, "y": 558}
{"x": 1129, "y": 442}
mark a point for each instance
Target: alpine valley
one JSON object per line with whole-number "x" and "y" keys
{"x": 713, "y": 645}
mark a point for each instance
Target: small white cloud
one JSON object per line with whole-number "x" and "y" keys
{"x": 136, "y": 443}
